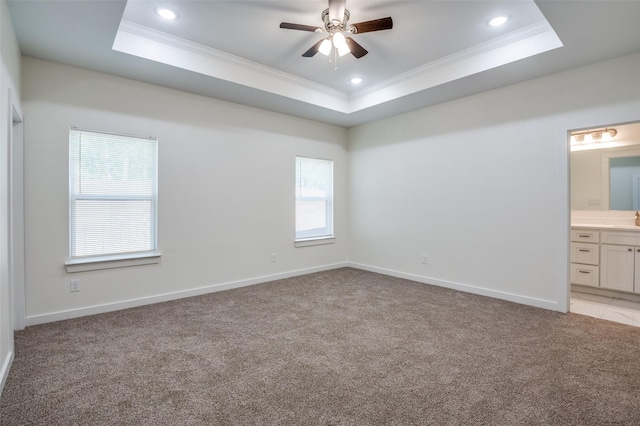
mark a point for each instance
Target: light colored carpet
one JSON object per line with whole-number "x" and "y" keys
{"x": 337, "y": 347}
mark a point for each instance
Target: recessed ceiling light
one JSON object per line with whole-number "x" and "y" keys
{"x": 356, "y": 80}
{"x": 498, "y": 20}
{"x": 166, "y": 13}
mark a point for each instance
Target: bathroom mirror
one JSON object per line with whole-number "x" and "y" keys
{"x": 624, "y": 188}
{"x": 607, "y": 176}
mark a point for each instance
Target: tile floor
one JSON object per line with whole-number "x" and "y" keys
{"x": 606, "y": 308}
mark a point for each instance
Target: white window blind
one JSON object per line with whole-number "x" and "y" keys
{"x": 112, "y": 194}
{"x": 314, "y": 198}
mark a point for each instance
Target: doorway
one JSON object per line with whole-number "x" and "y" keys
{"x": 602, "y": 168}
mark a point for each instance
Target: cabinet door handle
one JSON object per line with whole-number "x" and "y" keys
{"x": 630, "y": 249}
{"x": 585, "y": 272}
{"x": 584, "y": 235}
{"x": 587, "y": 250}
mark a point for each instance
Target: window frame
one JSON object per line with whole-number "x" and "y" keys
{"x": 112, "y": 260}
{"x": 329, "y": 237}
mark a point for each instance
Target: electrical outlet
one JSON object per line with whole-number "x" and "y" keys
{"x": 274, "y": 257}
{"x": 425, "y": 259}
{"x": 74, "y": 286}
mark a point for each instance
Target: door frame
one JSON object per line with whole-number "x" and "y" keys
{"x": 15, "y": 175}
{"x": 604, "y": 204}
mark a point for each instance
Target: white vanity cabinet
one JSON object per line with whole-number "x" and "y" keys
{"x": 585, "y": 257}
{"x": 620, "y": 261}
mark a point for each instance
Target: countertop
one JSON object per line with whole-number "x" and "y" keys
{"x": 607, "y": 227}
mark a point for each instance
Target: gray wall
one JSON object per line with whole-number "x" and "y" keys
{"x": 480, "y": 184}
{"x": 226, "y": 190}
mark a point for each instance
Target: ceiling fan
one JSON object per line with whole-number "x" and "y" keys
{"x": 336, "y": 24}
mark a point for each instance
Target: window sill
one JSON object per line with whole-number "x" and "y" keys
{"x": 110, "y": 262}
{"x": 306, "y": 242}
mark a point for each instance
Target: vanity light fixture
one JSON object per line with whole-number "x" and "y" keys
{"x": 167, "y": 14}
{"x": 607, "y": 135}
{"x": 590, "y": 136}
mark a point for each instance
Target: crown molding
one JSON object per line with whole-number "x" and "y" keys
{"x": 145, "y": 42}
{"x": 527, "y": 41}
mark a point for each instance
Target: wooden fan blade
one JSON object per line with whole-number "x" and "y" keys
{"x": 373, "y": 25}
{"x": 336, "y": 10}
{"x": 356, "y": 50}
{"x": 314, "y": 49}
{"x": 290, "y": 26}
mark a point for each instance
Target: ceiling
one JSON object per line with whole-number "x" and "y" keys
{"x": 234, "y": 50}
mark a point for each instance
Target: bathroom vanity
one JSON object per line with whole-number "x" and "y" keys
{"x": 606, "y": 257}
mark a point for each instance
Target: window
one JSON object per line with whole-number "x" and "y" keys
{"x": 314, "y": 198}
{"x": 112, "y": 196}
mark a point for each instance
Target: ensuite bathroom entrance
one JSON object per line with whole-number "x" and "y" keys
{"x": 605, "y": 229}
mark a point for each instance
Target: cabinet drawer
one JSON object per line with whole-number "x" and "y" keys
{"x": 585, "y": 253}
{"x": 587, "y": 236}
{"x": 622, "y": 238}
{"x": 585, "y": 275}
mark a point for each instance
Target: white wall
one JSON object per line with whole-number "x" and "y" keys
{"x": 9, "y": 99}
{"x": 480, "y": 184}
{"x": 226, "y": 194}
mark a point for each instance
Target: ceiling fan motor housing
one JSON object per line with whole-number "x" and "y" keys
{"x": 333, "y": 25}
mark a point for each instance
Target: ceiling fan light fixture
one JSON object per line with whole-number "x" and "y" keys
{"x": 343, "y": 50}
{"x": 340, "y": 43}
{"x": 339, "y": 40}
{"x": 325, "y": 47}
{"x": 498, "y": 21}
{"x": 167, "y": 14}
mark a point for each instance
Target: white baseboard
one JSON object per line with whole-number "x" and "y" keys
{"x": 524, "y": 300}
{"x": 132, "y": 303}
{"x": 4, "y": 373}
